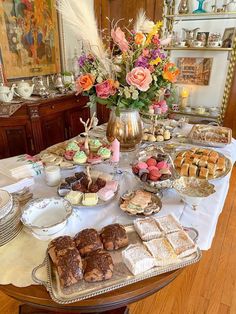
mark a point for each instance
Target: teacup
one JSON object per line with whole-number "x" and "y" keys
{"x": 200, "y": 110}
{"x": 198, "y": 43}
{"x": 182, "y": 44}
{"x": 187, "y": 109}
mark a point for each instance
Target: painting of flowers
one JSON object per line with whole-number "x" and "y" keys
{"x": 29, "y": 40}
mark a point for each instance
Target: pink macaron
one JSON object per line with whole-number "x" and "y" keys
{"x": 154, "y": 175}
{"x": 142, "y": 165}
{"x": 151, "y": 162}
{"x": 162, "y": 164}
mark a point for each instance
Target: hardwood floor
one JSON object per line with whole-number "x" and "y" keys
{"x": 208, "y": 287}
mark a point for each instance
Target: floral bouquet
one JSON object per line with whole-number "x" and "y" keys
{"x": 129, "y": 74}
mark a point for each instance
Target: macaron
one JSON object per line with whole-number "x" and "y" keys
{"x": 162, "y": 164}
{"x": 151, "y": 162}
{"x": 152, "y": 167}
{"x": 154, "y": 175}
{"x": 142, "y": 171}
{"x": 142, "y": 165}
{"x": 135, "y": 169}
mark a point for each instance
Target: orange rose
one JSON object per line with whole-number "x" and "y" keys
{"x": 84, "y": 82}
{"x": 139, "y": 38}
{"x": 170, "y": 72}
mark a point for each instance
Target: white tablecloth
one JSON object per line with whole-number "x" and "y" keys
{"x": 20, "y": 256}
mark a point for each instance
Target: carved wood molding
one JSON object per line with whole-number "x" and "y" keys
{"x": 33, "y": 112}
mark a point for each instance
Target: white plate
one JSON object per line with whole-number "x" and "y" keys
{"x": 5, "y": 203}
{"x": 46, "y": 216}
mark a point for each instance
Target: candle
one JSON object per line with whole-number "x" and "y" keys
{"x": 185, "y": 92}
{"x": 52, "y": 175}
{"x": 115, "y": 148}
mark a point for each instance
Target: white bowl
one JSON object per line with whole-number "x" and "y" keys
{"x": 193, "y": 190}
{"x": 46, "y": 216}
{"x": 6, "y": 203}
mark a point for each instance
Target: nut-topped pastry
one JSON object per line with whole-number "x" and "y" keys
{"x": 88, "y": 240}
{"x": 98, "y": 266}
{"x": 69, "y": 267}
{"x": 58, "y": 246}
{"x": 114, "y": 237}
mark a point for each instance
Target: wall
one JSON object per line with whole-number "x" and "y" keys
{"x": 72, "y": 42}
{"x": 212, "y": 94}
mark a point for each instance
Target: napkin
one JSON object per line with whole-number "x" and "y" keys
{"x": 21, "y": 166}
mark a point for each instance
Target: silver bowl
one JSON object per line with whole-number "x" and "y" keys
{"x": 193, "y": 190}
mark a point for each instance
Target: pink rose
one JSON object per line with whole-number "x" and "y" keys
{"x": 118, "y": 37}
{"x": 163, "y": 106}
{"x": 105, "y": 89}
{"x": 140, "y": 78}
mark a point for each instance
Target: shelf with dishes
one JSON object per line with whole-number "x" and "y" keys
{"x": 202, "y": 16}
{"x": 206, "y": 114}
{"x": 200, "y": 48}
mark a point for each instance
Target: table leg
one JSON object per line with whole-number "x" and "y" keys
{"x": 27, "y": 309}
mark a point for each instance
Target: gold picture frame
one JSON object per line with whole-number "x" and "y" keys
{"x": 29, "y": 38}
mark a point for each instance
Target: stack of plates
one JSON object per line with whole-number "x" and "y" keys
{"x": 10, "y": 225}
{"x": 5, "y": 203}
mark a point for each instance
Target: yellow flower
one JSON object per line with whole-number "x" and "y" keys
{"x": 156, "y": 61}
{"x": 153, "y": 32}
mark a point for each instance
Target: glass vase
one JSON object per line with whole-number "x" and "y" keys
{"x": 127, "y": 128}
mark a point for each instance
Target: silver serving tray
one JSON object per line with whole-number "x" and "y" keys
{"x": 211, "y": 129}
{"x": 219, "y": 174}
{"x": 121, "y": 275}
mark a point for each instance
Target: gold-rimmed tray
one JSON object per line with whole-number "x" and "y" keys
{"x": 219, "y": 174}
{"x": 121, "y": 275}
{"x": 152, "y": 208}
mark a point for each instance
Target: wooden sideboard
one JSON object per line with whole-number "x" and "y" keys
{"x": 38, "y": 125}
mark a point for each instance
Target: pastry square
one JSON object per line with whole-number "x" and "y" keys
{"x": 105, "y": 194}
{"x": 74, "y": 197}
{"x": 168, "y": 224}
{"x": 137, "y": 259}
{"x": 184, "y": 169}
{"x": 147, "y": 228}
{"x": 106, "y": 176}
{"x": 162, "y": 251}
{"x": 90, "y": 199}
{"x": 203, "y": 174}
{"x": 112, "y": 185}
{"x": 182, "y": 244}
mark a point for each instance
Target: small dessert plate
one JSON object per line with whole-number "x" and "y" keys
{"x": 130, "y": 204}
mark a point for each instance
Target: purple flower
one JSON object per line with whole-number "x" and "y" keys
{"x": 141, "y": 62}
{"x": 154, "y": 54}
{"x": 82, "y": 59}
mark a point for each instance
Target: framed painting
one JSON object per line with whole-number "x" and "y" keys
{"x": 196, "y": 71}
{"x": 29, "y": 38}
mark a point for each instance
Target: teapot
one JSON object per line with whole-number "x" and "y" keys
{"x": 190, "y": 35}
{"x": 57, "y": 81}
{"x": 39, "y": 87}
{"x": 24, "y": 89}
{"x": 6, "y": 93}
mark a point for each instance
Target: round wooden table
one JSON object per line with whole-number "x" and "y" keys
{"x": 114, "y": 302}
